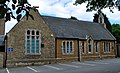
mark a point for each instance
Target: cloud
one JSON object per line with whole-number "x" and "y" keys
{"x": 9, "y": 25}
{"x": 63, "y": 8}
{"x": 113, "y": 17}
{"x": 66, "y": 9}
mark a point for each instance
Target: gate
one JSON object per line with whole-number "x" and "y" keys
{"x": 118, "y": 50}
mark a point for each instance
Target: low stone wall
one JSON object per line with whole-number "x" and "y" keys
{"x": 29, "y": 62}
{"x": 37, "y": 62}
{"x": 1, "y": 60}
{"x": 62, "y": 60}
{"x": 92, "y": 58}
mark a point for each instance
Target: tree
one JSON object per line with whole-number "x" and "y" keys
{"x": 106, "y": 21}
{"x": 116, "y": 31}
{"x": 98, "y": 5}
{"x": 17, "y": 5}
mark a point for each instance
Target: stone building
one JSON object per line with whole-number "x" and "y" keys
{"x": 51, "y": 39}
{"x": 2, "y": 43}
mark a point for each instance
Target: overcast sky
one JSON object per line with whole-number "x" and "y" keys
{"x": 66, "y": 9}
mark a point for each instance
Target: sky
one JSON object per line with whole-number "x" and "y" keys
{"x": 66, "y": 9}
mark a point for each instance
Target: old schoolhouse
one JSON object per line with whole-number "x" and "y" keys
{"x": 49, "y": 39}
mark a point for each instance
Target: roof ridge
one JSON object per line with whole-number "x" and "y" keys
{"x": 68, "y": 19}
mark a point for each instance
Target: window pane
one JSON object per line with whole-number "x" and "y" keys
{"x": 90, "y": 45}
{"x": 109, "y": 48}
{"x": 89, "y": 48}
{"x": 28, "y": 32}
{"x": 33, "y": 44}
{"x": 83, "y": 50}
{"x": 96, "y": 47}
{"x": 37, "y": 33}
{"x": 37, "y": 37}
{"x": 28, "y": 37}
{"x": 37, "y": 46}
{"x": 33, "y": 33}
{"x": 28, "y": 46}
{"x": 64, "y": 49}
{"x": 67, "y": 47}
{"x": 89, "y": 41}
{"x": 71, "y": 47}
{"x": 104, "y": 47}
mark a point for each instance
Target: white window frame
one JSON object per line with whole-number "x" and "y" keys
{"x": 83, "y": 46}
{"x": 96, "y": 46}
{"x": 91, "y": 43}
{"x": 106, "y": 47}
{"x": 63, "y": 48}
{"x": 35, "y": 35}
{"x": 67, "y": 48}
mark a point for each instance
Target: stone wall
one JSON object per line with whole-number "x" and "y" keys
{"x": 118, "y": 50}
{"x": 66, "y": 57}
{"x": 29, "y": 62}
{"x": 2, "y": 27}
{"x": 16, "y": 40}
{"x": 1, "y": 60}
{"x": 101, "y": 54}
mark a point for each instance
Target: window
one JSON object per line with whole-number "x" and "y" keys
{"x": 83, "y": 48}
{"x": 33, "y": 42}
{"x": 71, "y": 47}
{"x": 67, "y": 47}
{"x": 106, "y": 47}
{"x": 64, "y": 47}
{"x": 96, "y": 44}
{"x": 89, "y": 46}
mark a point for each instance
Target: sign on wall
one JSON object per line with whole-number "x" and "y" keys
{"x": 10, "y": 49}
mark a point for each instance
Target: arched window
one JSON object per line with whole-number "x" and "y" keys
{"x": 89, "y": 46}
{"x": 67, "y": 47}
{"x": 33, "y": 44}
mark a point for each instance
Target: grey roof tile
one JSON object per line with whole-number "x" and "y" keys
{"x": 69, "y": 28}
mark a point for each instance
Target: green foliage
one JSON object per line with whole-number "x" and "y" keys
{"x": 96, "y": 5}
{"x": 108, "y": 24}
{"x": 18, "y": 5}
{"x": 116, "y": 31}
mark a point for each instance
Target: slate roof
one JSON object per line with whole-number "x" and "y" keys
{"x": 69, "y": 28}
{"x": 2, "y": 40}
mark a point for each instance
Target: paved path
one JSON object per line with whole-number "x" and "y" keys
{"x": 98, "y": 66}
